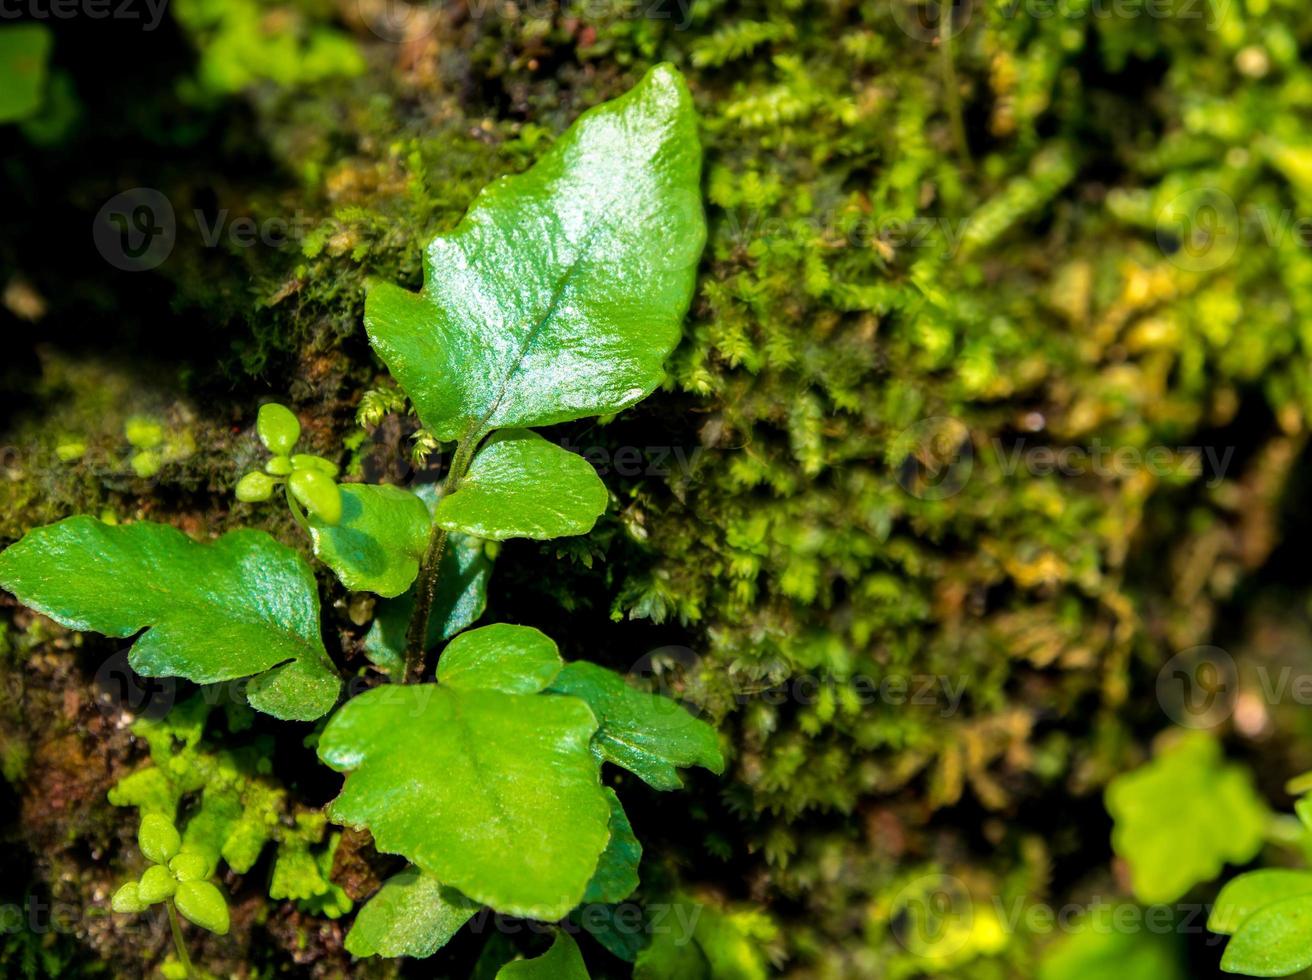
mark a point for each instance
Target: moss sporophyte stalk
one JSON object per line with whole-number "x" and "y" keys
{"x": 505, "y": 806}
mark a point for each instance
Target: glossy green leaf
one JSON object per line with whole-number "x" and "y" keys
{"x": 495, "y": 794}
{"x": 156, "y": 884}
{"x": 460, "y": 600}
{"x": 649, "y": 735}
{"x": 127, "y": 899}
{"x": 378, "y": 543}
{"x": 500, "y": 657}
{"x": 253, "y": 488}
{"x": 413, "y": 914}
{"x": 1246, "y": 894}
{"x": 674, "y": 952}
{"x": 189, "y": 866}
{"x": 522, "y": 486}
{"x": 212, "y": 612}
{"x": 1182, "y": 817}
{"x": 24, "y": 56}
{"x": 562, "y": 961}
{"x": 158, "y": 838}
{"x": 318, "y": 494}
{"x": 278, "y": 428}
{"x": 1274, "y": 941}
{"x": 621, "y": 929}
{"x": 308, "y": 461}
{"x": 202, "y": 903}
{"x": 616, "y": 877}
{"x": 1097, "y": 950}
{"x": 564, "y": 288}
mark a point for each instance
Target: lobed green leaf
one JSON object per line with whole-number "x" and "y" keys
{"x": 497, "y": 795}
{"x": 1250, "y": 892}
{"x": 413, "y": 914}
{"x": 522, "y": 486}
{"x": 378, "y": 543}
{"x": 500, "y": 657}
{"x": 238, "y": 606}
{"x": 562, "y": 291}
{"x": 562, "y": 961}
{"x": 647, "y": 734}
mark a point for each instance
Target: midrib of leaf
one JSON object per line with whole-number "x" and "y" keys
{"x": 480, "y": 428}
{"x": 190, "y": 602}
{"x": 499, "y": 807}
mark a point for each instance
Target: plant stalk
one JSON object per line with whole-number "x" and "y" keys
{"x": 178, "y": 944}
{"x": 950, "y": 84}
{"x": 416, "y": 636}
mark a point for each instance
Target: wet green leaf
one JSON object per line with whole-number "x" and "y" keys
{"x": 413, "y": 914}
{"x": 255, "y": 487}
{"x": 1246, "y": 894}
{"x": 522, "y": 486}
{"x": 500, "y": 657}
{"x": 278, "y": 429}
{"x": 379, "y": 541}
{"x": 158, "y": 838}
{"x": 647, "y": 734}
{"x": 562, "y": 961}
{"x": 616, "y": 877}
{"x": 1182, "y": 817}
{"x": 564, "y": 288}
{"x": 1274, "y": 941}
{"x": 318, "y": 494}
{"x": 212, "y": 612}
{"x": 156, "y": 884}
{"x": 202, "y": 903}
{"x": 497, "y": 795}
{"x": 127, "y": 899}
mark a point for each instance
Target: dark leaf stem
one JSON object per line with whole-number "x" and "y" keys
{"x": 416, "y": 637}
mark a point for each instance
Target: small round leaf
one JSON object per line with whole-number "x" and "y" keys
{"x": 278, "y": 428}
{"x": 318, "y": 494}
{"x": 203, "y": 903}
{"x": 156, "y": 885}
{"x": 158, "y": 838}
{"x": 306, "y": 461}
{"x": 278, "y": 466}
{"x": 254, "y": 487}
{"x": 126, "y": 899}
{"x": 189, "y": 866}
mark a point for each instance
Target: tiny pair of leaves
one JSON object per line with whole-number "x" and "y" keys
{"x": 557, "y": 297}
{"x": 1269, "y": 915}
{"x": 239, "y": 606}
{"x": 519, "y": 486}
{"x": 1180, "y": 819}
{"x": 505, "y": 802}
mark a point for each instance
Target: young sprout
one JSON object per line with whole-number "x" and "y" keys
{"x": 308, "y": 481}
{"x": 178, "y": 877}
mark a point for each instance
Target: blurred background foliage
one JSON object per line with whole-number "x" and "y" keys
{"x": 937, "y": 249}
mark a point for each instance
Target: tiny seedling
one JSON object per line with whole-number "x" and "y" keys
{"x": 558, "y": 297}
{"x": 178, "y": 877}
